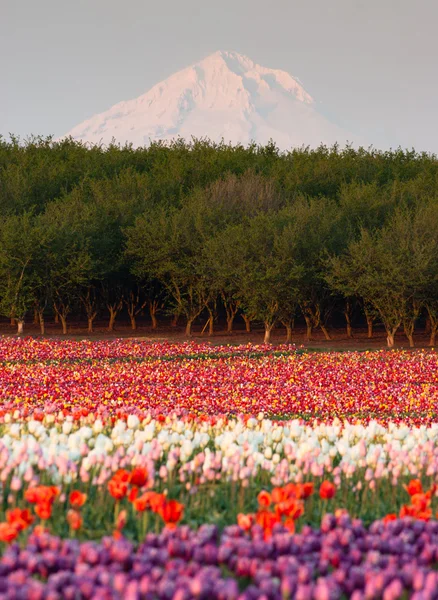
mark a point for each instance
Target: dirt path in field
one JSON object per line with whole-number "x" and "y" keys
{"x": 339, "y": 341}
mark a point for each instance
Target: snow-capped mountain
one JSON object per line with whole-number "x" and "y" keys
{"x": 225, "y": 96}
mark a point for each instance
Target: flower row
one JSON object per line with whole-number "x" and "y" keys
{"x": 113, "y": 381}
{"x": 214, "y": 466}
{"x": 341, "y": 558}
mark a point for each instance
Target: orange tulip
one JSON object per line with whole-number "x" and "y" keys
{"x": 414, "y": 487}
{"x": 278, "y": 494}
{"x": 156, "y": 501}
{"x": 41, "y": 494}
{"x": 267, "y": 519}
{"x": 117, "y": 488}
{"x": 8, "y": 532}
{"x": 307, "y": 489}
{"x": 290, "y": 525}
{"x": 412, "y": 511}
{"x": 290, "y": 508}
{"x": 44, "y": 510}
{"x": 264, "y": 499}
{"x": 21, "y": 519}
{"x": 139, "y": 476}
{"x": 171, "y": 512}
{"x": 327, "y": 490}
{"x": 245, "y": 522}
{"x": 389, "y": 518}
{"x": 420, "y": 501}
{"x": 77, "y": 498}
{"x": 74, "y": 519}
{"x": 291, "y": 490}
{"x": 141, "y": 503}
{"x": 133, "y": 494}
{"x": 122, "y": 475}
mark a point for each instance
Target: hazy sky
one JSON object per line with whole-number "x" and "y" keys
{"x": 371, "y": 65}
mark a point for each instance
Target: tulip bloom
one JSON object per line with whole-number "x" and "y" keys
{"x": 21, "y": 519}
{"x": 139, "y": 476}
{"x": 414, "y": 487}
{"x": 74, "y": 519}
{"x": 44, "y": 510}
{"x": 77, "y": 498}
{"x": 327, "y": 490}
{"x": 118, "y": 489}
{"x": 8, "y": 532}
{"x": 389, "y": 518}
{"x": 171, "y": 512}
{"x": 245, "y": 522}
{"x": 264, "y": 499}
{"x": 41, "y": 494}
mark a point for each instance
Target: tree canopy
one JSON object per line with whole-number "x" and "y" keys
{"x": 200, "y": 228}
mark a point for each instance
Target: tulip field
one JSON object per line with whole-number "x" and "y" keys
{"x": 137, "y": 470}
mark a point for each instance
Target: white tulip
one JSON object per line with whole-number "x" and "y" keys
{"x": 133, "y": 421}
{"x": 97, "y": 426}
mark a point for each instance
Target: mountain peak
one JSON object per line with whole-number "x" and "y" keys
{"x": 225, "y": 96}
{"x": 234, "y": 61}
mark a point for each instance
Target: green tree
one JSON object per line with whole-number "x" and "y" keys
{"x": 22, "y": 241}
{"x": 391, "y": 269}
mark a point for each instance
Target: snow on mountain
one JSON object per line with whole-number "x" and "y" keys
{"x": 225, "y": 96}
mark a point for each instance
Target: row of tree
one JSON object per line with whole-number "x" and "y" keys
{"x": 225, "y": 229}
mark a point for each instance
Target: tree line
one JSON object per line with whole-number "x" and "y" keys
{"x": 200, "y": 228}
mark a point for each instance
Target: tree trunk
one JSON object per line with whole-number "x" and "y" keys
{"x": 174, "y": 321}
{"x": 347, "y": 314}
{"x": 153, "y": 308}
{"x": 210, "y": 321}
{"x": 112, "y": 319}
{"x": 370, "y": 326}
{"x": 231, "y": 309}
{"x": 13, "y": 323}
{"x": 390, "y": 335}
{"x": 348, "y": 322}
{"x": 36, "y": 319}
{"x": 289, "y": 324}
{"x": 63, "y": 320}
{"x": 432, "y": 336}
{"x": 390, "y": 339}
{"x": 56, "y": 318}
{"x": 42, "y": 324}
{"x": 90, "y": 323}
{"x": 134, "y": 308}
{"x": 325, "y": 332}
{"x": 20, "y": 327}
{"x": 189, "y": 327}
{"x": 268, "y": 329}
{"x": 247, "y": 323}
{"x": 308, "y": 328}
{"x": 408, "y": 328}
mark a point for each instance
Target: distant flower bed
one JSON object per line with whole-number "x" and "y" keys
{"x": 118, "y": 378}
